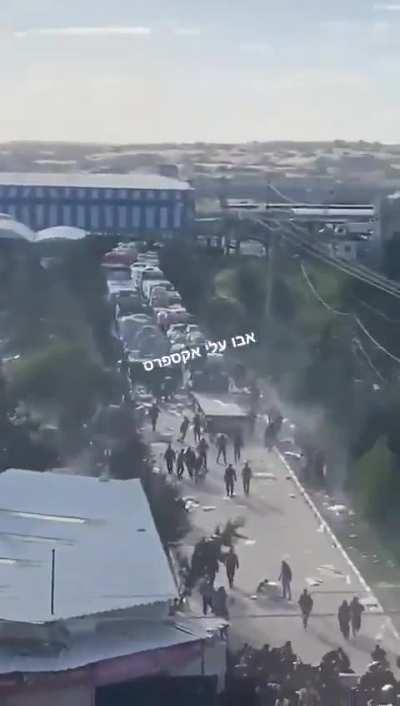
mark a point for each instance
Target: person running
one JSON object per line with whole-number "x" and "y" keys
{"x": 247, "y": 475}
{"x": 344, "y": 618}
{"x": 183, "y": 428}
{"x": 202, "y": 451}
{"x": 170, "y": 457}
{"x": 154, "y": 414}
{"x": 356, "y": 611}
{"x": 306, "y": 605}
{"x": 230, "y": 479}
{"x": 231, "y": 564}
{"x": 286, "y": 579}
{"x": 180, "y": 464}
{"x": 196, "y": 428}
{"x": 237, "y": 446}
{"x": 221, "y": 446}
{"x": 190, "y": 460}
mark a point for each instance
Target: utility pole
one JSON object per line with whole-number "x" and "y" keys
{"x": 53, "y": 577}
{"x": 270, "y": 273}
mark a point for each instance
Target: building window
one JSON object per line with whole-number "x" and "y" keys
{"x": 39, "y": 192}
{"x": 178, "y": 195}
{"x": 136, "y": 217}
{"x": 137, "y": 195}
{"x": 123, "y": 194}
{"x": 109, "y": 193}
{"x": 149, "y": 195}
{"x": 27, "y": 191}
{"x": 81, "y": 193}
{"x": 150, "y": 217}
{"x": 53, "y": 193}
{"x": 13, "y": 191}
{"x": 164, "y": 195}
{"x": 163, "y": 217}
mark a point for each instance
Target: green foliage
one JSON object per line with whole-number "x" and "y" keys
{"x": 375, "y": 482}
{"x": 63, "y": 375}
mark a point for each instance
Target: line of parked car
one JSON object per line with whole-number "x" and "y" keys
{"x": 150, "y": 318}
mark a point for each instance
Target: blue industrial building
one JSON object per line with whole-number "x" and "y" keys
{"x": 141, "y": 204}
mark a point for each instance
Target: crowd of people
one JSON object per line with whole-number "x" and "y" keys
{"x": 277, "y": 677}
{"x": 195, "y": 460}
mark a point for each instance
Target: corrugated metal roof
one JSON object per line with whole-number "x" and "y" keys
{"x": 60, "y": 233}
{"x": 96, "y": 181}
{"x": 84, "y": 649}
{"x": 218, "y": 407}
{"x": 108, "y": 552}
{"x": 334, "y": 212}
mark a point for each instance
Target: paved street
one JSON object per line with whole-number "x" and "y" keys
{"x": 279, "y": 523}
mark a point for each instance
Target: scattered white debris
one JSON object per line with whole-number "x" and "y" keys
{"x": 313, "y": 582}
{"x": 293, "y": 454}
{"x": 348, "y": 580}
{"x": 330, "y": 570}
{"x": 209, "y": 508}
{"x": 353, "y": 536}
{"x": 269, "y": 476}
{"x": 254, "y": 597}
{"x": 321, "y": 528}
{"x": 250, "y": 542}
{"x": 292, "y": 426}
{"x": 338, "y": 509}
{"x": 370, "y": 603}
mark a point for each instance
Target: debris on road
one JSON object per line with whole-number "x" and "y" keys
{"x": 208, "y": 508}
{"x": 268, "y": 476}
{"x": 313, "y": 582}
{"x": 338, "y": 509}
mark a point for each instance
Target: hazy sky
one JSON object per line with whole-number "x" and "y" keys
{"x": 185, "y": 70}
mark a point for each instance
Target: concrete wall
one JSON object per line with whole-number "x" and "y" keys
{"x": 74, "y": 696}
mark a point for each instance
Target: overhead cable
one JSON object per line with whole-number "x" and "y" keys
{"x": 353, "y": 316}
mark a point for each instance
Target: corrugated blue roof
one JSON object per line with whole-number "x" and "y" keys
{"x": 108, "y": 552}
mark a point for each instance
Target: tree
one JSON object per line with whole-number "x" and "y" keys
{"x": 64, "y": 377}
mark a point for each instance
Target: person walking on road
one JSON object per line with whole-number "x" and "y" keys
{"x": 190, "y": 460}
{"x": 344, "y": 617}
{"x": 202, "y": 450}
{"x": 286, "y": 580}
{"x": 230, "y": 479}
{"x": 207, "y": 592}
{"x": 231, "y": 564}
{"x": 221, "y": 446}
{"x": 196, "y": 428}
{"x": 237, "y": 446}
{"x": 170, "y": 457}
{"x": 356, "y": 611}
{"x": 306, "y": 605}
{"x": 180, "y": 464}
{"x": 183, "y": 428}
{"x": 154, "y": 414}
{"x": 247, "y": 475}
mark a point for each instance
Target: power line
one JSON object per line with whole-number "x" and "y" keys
{"x": 341, "y": 313}
{"x": 317, "y": 296}
{"x": 368, "y": 359}
{"x": 378, "y": 312}
{"x": 346, "y": 269}
{"x": 360, "y": 272}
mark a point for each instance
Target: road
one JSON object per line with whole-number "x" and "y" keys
{"x": 280, "y": 523}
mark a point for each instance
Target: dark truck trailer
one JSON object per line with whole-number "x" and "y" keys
{"x": 222, "y": 415}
